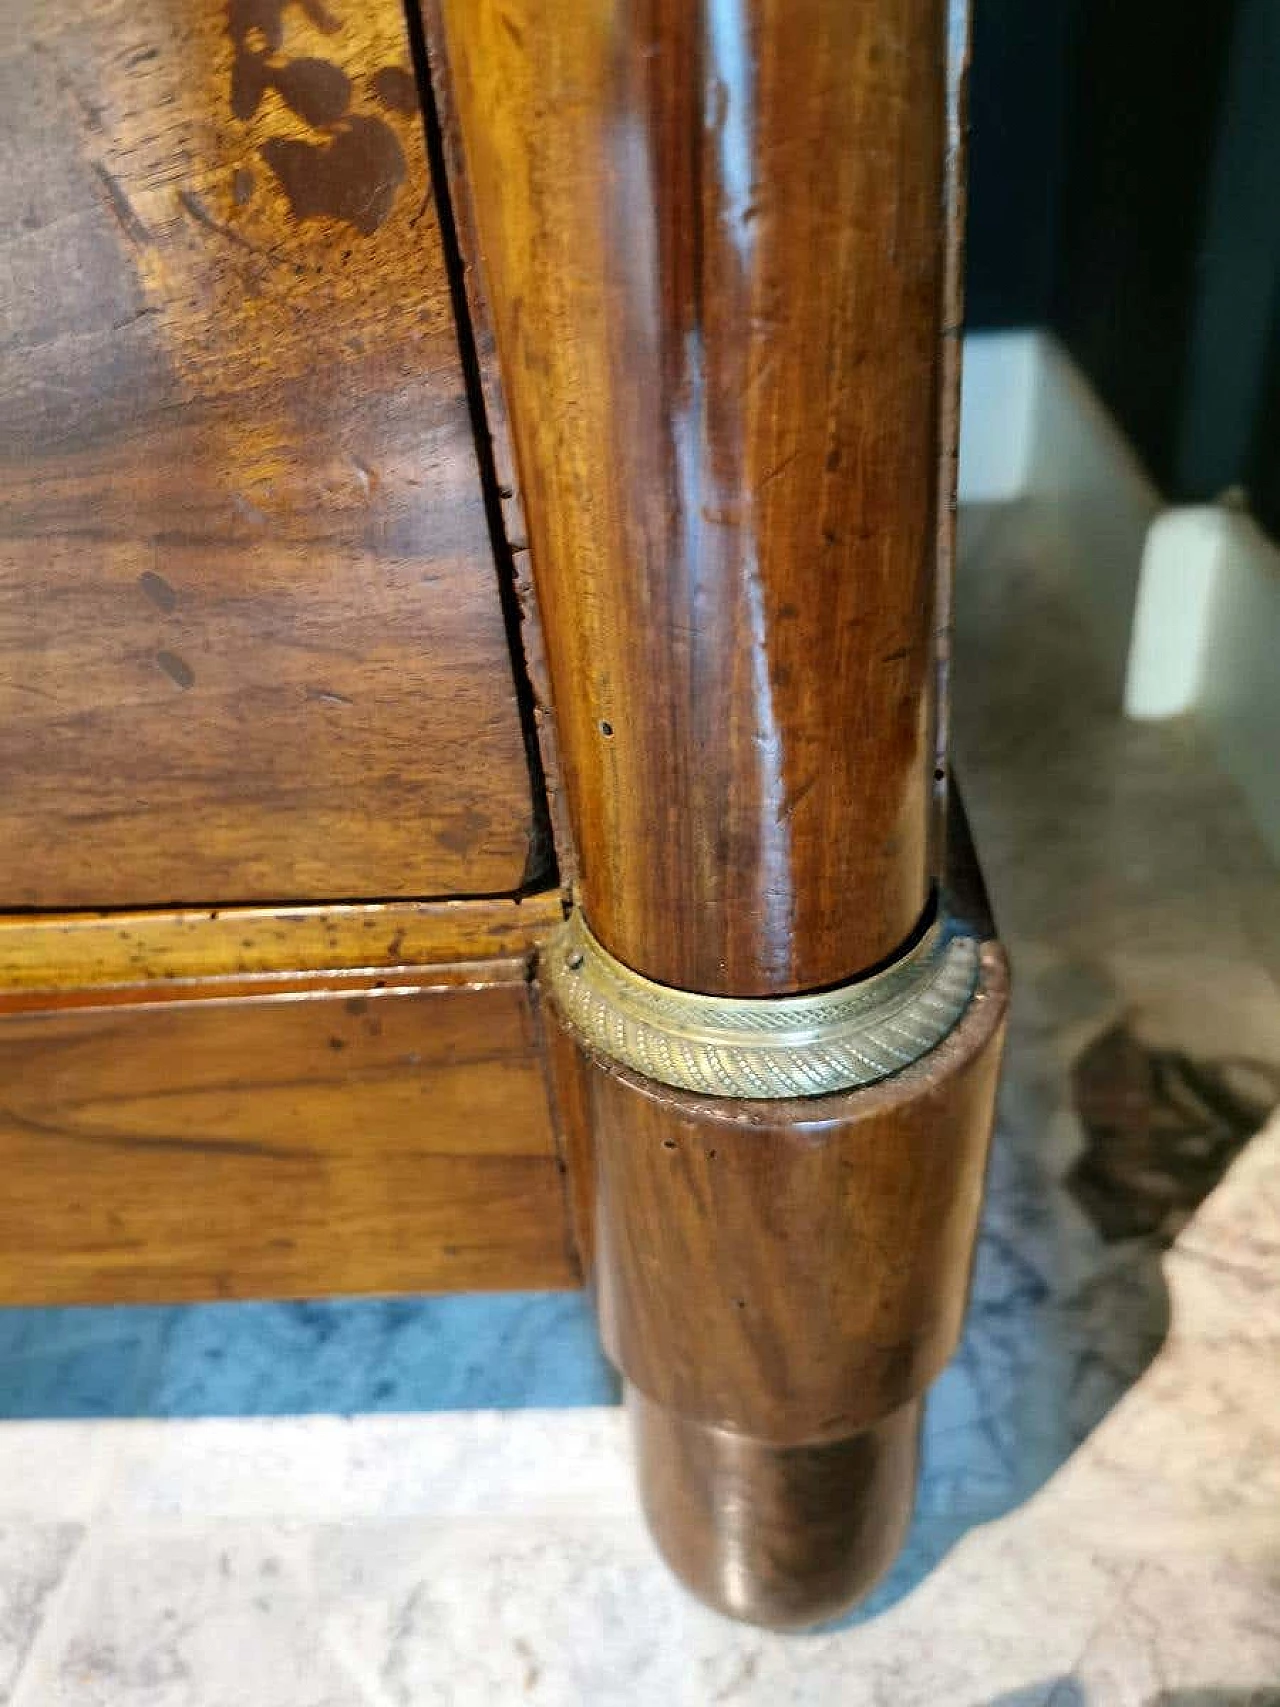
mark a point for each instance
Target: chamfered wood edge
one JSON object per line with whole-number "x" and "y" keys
{"x": 492, "y": 940}
{"x": 496, "y": 424}
{"x": 951, "y": 356}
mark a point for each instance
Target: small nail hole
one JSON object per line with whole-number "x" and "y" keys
{"x": 606, "y": 728}
{"x": 939, "y": 775}
{"x": 573, "y": 960}
{"x": 668, "y": 1143}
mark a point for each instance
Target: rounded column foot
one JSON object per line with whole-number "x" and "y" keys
{"x": 783, "y": 1536}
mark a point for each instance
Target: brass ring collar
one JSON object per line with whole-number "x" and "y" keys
{"x": 788, "y": 1046}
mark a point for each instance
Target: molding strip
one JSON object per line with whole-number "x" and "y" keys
{"x": 789, "y": 1046}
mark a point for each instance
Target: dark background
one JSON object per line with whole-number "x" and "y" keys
{"x": 1125, "y": 194}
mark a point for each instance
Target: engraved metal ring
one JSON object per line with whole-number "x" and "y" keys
{"x": 787, "y": 1046}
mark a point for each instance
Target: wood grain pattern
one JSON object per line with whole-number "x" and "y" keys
{"x": 85, "y": 951}
{"x": 713, "y": 244}
{"x": 794, "y": 1270}
{"x": 391, "y": 1141}
{"x": 495, "y": 435}
{"x": 779, "y": 1282}
{"x": 784, "y": 1536}
{"x": 251, "y": 644}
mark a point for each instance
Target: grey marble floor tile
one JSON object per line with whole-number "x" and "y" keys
{"x": 332, "y": 1469}
{"x": 456, "y": 1353}
{"x": 330, "y": 1356}
{"x": 206, "y": 1619}
{"x": 33, "y": 1558}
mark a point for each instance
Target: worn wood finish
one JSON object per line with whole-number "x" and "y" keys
{"x": 86, "y": 951}
{"x": 793, "y": 1270}
{"x": 251, "y": 643}
{"x": 785, "y": 1536}
{"x": 494, "y": 440}
{"x": 368, "y": 1142}
{"x": 713, "y": 244}
{"x": 778, "y": 1280}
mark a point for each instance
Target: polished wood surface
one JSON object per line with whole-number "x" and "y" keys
{"x": 256, "y": 620}
{"x": 779, "y": 1282}
{"x": 251, "y": 643}
{"x": 793, "y": 1270}
{"x": 511, "y": 541}
{"x": 713, "y": 241}
{"x": 784, "y": 1536}
{"x": 375, "y": 1141}
{"x": 46, "y": 952}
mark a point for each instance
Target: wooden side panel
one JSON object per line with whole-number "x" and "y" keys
{"x": 251, "y": 643}
{"x": 383, "y": 1141}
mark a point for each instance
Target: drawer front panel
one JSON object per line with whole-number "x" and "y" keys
{"x": 251, "y": 638}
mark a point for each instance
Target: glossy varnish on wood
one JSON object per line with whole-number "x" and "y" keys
{"x": 845, "y": 1297}
{"x": 779, "y": 1282}
{"x": 712, "y": 239}
{"x": 342, "y": 1142}
{"x": 251, "y": 643}
{"x": 84, "y": 952}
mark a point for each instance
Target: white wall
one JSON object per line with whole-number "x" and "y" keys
{"x": 1184, "y": 602}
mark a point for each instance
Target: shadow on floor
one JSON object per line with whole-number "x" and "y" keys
{"x": 1069, "y": 1304}
{"x": 1068, "y": 1692}
{"x": 470, "y": 1352}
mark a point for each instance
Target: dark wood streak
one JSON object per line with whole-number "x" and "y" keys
{"x": 293, "y": 1147}
{"x": 713, "y": 244}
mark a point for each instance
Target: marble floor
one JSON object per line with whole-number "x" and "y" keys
{"x": 382, "y": 1505}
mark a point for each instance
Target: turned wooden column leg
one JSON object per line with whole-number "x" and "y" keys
{"x": 716, "y": 244}
{"x": 780, "y": 1280}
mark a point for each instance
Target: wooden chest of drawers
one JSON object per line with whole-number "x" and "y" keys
{"x": 459, "y": 471}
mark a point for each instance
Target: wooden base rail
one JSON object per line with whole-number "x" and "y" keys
{"x": 277, "y": 1103}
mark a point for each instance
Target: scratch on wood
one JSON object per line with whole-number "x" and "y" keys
{"x": 122, "y": 208}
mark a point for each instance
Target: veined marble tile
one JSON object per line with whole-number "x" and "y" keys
{"x": 33, "y": 1558}
{"x": 490, "y": 1614}
{"x": 466, "y": 1352}
{"x": 83, "y": 1362}
{"x": 324, "y": 1469}
{"x": 1201, "y": 1628}
{"x": 207, "y": 1618}
{"x": 580, "y": 1615}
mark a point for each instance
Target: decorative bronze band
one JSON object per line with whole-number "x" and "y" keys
{"x": 788, "y": 1046}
